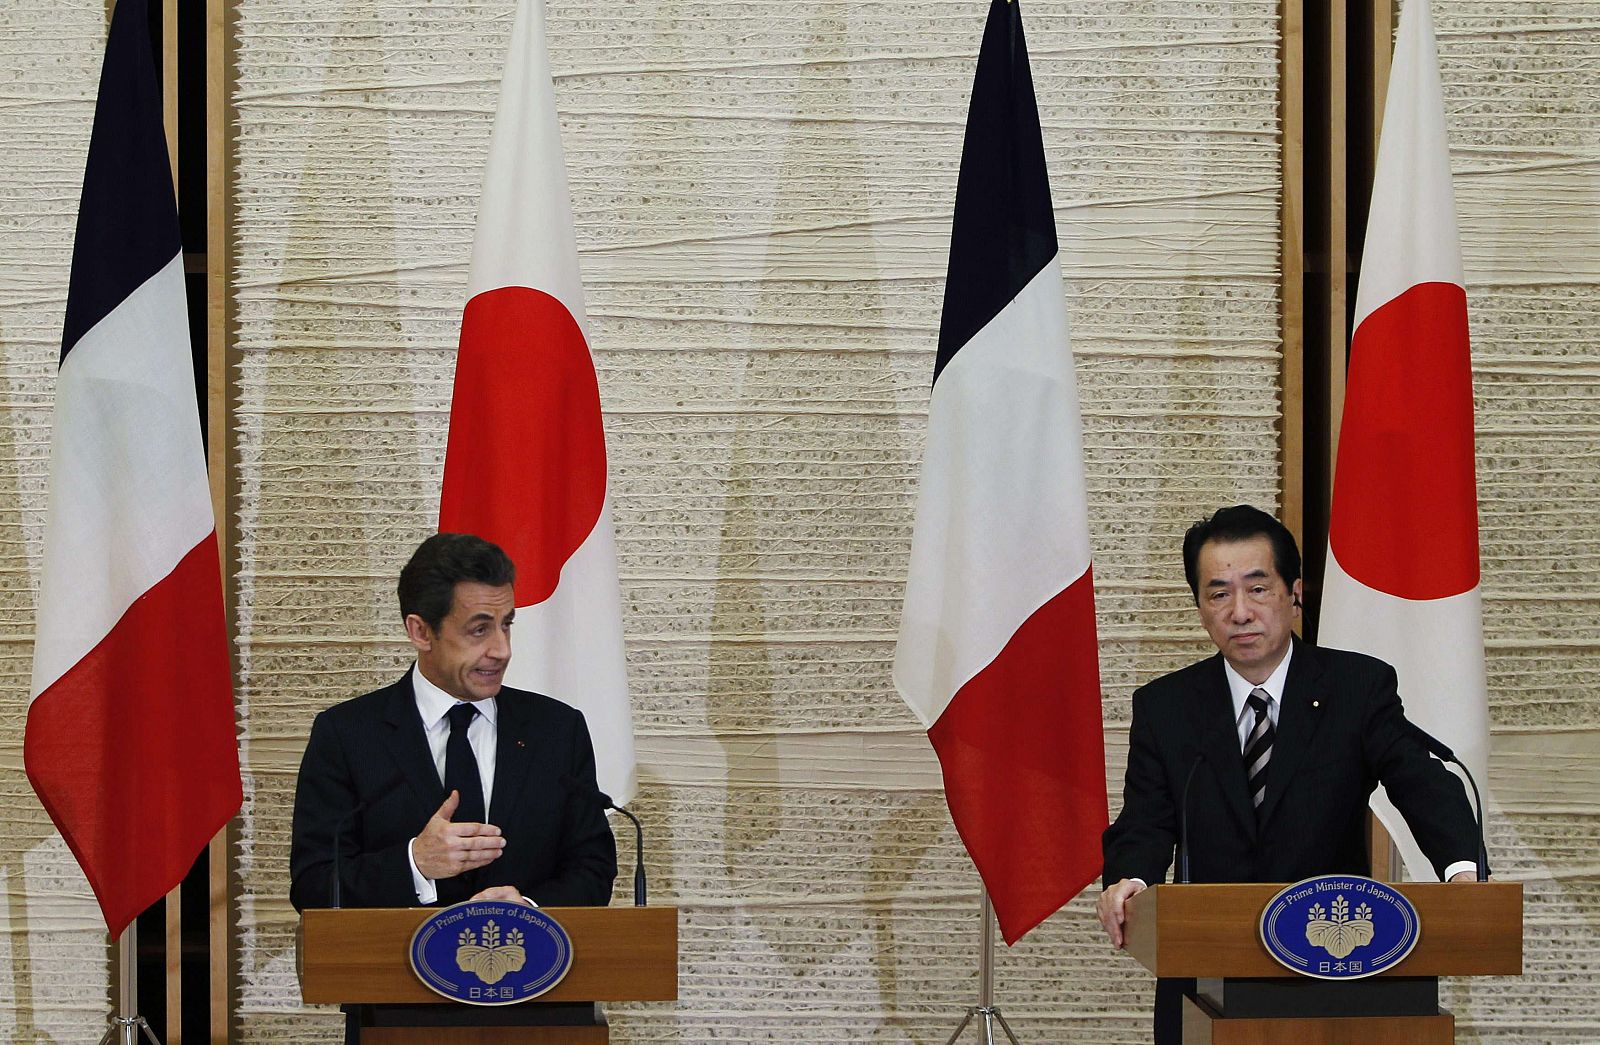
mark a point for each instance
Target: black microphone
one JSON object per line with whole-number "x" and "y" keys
{"x": 344, "y": 821}
{"x": 594, "y": 794}
{"x": 1183, "y": 807}
{"x": 338, "y": 829}
{"x": 1440, "y": 750}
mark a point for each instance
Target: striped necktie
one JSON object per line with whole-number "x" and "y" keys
{"x": 1258, "y": 749}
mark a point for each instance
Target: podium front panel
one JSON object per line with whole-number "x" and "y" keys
{"x": 361, "y": 955}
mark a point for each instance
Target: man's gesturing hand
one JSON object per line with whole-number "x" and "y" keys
{"x": 509, "y": 893}
{"x": 444, "y": 850}
{"x": 1111, "y": 904}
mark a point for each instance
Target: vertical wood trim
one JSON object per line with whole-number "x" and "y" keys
{"x": 1292, "y": 267}
{"x": 220, "y": 949}
{"x": 1338, "y": 217}
{"x": 174, "y": 912}
{"x": 1386, "y": 865}
{"x": 1382, "y": 58}
{"x": 169, "y": 82}
{"x": 219, "y": 426}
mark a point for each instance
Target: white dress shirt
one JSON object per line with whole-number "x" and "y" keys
{"x": 1240, "y": 688}
{"x": 434, "y": 705}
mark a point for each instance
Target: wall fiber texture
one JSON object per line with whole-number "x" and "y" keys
{"x": 762, "y": 194}
{"x": 1523, "y": 109}
{"x": 54, "y": 982}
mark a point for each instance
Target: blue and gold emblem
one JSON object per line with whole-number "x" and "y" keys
{"x": 1339, "y": 927}
{"x": 490, "y": 952}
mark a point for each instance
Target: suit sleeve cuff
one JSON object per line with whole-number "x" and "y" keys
{"x": 426, "y": 891}
{"x": 1459, "y": 866}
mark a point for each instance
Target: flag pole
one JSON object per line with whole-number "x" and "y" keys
{"x": 127, "y": 1023}
{"x": 986, "y": 1008}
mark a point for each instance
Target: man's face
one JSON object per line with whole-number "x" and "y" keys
{"x": 467, "y": 656}
{"x": 1246, "y": 608}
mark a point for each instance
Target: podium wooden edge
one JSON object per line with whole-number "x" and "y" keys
{"x": 359, "y": 955}
{"x": 1211, "y": 930}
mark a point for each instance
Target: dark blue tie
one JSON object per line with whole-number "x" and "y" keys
{"x": 461, "y": 774}
{"x": 461, "y": 767}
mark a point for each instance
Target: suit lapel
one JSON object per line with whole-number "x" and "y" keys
{"x": 512, "y": 756}
{"x": 1304, "y": 693}
{"x": 408, "y": 745}
{"x": 1216, "y": 726}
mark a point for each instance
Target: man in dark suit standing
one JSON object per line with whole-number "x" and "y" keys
{"x": 448, "y": 785}
{"x": 1285, "y": 742}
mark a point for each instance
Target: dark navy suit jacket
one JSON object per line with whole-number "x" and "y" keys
{"x": 1341, "y": 731}
{"x": 371, "y": 753}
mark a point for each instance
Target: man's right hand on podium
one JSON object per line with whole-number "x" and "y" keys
{"x": 1111, "y": 904}
{"x": 445, "y": 849}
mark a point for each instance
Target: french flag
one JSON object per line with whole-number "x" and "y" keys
{"x": 130, "y": 740}
{"x": 997, "y": 653}
{"x": 1402, "y": 579}
{"x": 525, "y": 466}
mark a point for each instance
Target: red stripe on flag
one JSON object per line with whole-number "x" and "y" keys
{"x": 526, "y": 462}
{"x": 1024, "y": 763}
{"x": 133, "y": 751}
{"x": 1405, "y": 502}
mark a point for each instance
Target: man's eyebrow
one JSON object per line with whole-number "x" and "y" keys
{"x": 1219, "y": 582}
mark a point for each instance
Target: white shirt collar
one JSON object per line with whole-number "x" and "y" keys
{"x": 434, "y": 703}
{"x": 1241, "y": 687}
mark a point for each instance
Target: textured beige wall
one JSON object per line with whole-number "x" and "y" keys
{"x": 53, "y": 976}
{"x": 1523, "y": 102}
{"x": 763, "y": 195}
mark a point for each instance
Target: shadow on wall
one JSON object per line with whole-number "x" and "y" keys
{"x": 336, "y": 483}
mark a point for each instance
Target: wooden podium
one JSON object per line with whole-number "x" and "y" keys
{"x": 359, "y": 956}
{"x": 1244, "y": 997}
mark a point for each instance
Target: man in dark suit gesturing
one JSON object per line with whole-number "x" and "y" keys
{"x": 1285, "y": 742}
{"x": 446, "y": 785}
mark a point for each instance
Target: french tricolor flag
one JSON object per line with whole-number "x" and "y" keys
{"x": 1402, "y": 580}
{"x": 526, "y": 462}
{"x": 130, "y": 740}
{"x": 997, "y": 653}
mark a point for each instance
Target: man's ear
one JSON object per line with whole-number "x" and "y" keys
{"x": 1296, "y": 593}
{"x": 420, "y": 635}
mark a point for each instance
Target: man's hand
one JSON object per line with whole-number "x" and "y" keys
{"x": 508, "y": 893}
{"x": 1110, "y": 908}
{"x": 444, "y": 850}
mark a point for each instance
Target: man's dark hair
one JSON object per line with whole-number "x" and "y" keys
{"x": 428, "y": 582}
{"x": 1240, "y": 523}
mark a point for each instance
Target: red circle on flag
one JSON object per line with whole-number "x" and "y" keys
{"x": 526, "y": 463}
{"x": 1405, "y": 503}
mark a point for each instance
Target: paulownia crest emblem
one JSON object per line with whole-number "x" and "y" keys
{"x": 1337, "y": 932}
{"x": 491, "y": 959}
